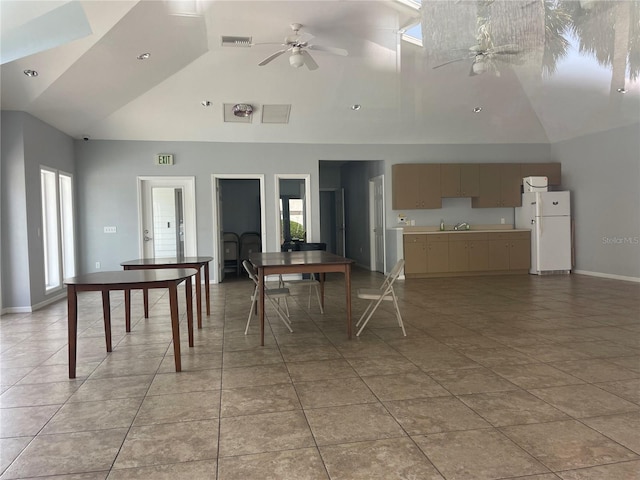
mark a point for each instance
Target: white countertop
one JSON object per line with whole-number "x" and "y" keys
{"x": 414, "y": 230}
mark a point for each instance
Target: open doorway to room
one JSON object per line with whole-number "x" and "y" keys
{"x": 238, "y": 221}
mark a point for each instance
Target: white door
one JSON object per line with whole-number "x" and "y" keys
{"x": 376, "y": 215}
{"x": 167, "y": 217}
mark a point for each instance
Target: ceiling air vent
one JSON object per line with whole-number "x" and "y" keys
{"x": 275, "y": 113}
{"x": 228, "y": 41}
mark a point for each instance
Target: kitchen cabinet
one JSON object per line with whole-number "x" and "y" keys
{"x": 437, "y": 253}
{"x": 468, "y": 252}
{"x": 459, "y": 180}
{"x": 509, "y": 251}
{"x": 415, "y": 254}
{"x": 416, "y": 185}
{"x": 499, "y": 186}
{"x": 550, "y": 170}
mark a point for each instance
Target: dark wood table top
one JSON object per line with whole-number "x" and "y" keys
{"x": 306, "y": 258}
{"x": 166, "y": 261}
{"x": 126, "y": 277}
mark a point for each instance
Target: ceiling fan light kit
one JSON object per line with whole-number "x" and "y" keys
{"x": 242, "y": 110}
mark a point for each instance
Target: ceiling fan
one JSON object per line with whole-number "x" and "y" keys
{"x": 298, "y": 44}
{"x": 483, "y": 59}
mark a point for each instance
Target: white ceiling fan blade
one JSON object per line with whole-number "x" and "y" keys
{"x": 271, "y": 57}
{"x": 450, "y": 61}
{"x": 336, "y": 51}
{"x": 303, "y": 37}
{"x": 309, "y": 61}
{"x": 506, "y": 49}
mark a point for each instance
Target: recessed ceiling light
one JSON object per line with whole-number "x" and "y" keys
{"x": 31, "y": 73}
{"x": 144, "y": 56}
{"x": 356, "y": 107}
{"x": 477, "y": 109}
{"x": 619, "y": 90}
{"x": 205, "y": 103}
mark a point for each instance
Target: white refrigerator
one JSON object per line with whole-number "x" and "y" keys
{"x": 548, "y": 216}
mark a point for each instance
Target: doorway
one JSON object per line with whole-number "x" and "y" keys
{"x": 238, "y": 207}
{"x": 332, "y": 228}
{"x": 167, "y": 218}
{"x": 376, "y": 223}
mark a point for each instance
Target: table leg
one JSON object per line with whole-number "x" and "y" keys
{"x": 175, "y": 327}
{"x": 322, "y": 277}
{"x": 127, "y": 309}
{"x": 72, "y": 325}
{"x": 206, "y": 287}
{"x": 189, "y": 295}
{"x": 145, "y": 297}
{"x": 106, "y": 313}
{"x": 347, "y": 286}
{"x": 198, "y": 296}
{"x": 261, "y": 303}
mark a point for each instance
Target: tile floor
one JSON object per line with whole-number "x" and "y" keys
{"x": 524, "y": 377}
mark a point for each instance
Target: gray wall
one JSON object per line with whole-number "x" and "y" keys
{"x": 602, "y": 171}
{"x": 27, "y": 144}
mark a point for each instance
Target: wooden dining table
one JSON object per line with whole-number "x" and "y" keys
{"x": 127, "y": 280}
{"x": 200, "y": 263}
{"x": 312, "y": 261}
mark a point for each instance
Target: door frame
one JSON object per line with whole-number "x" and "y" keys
{"x": 307, "y": 202}
{"x": 372, "y": 224}
{"x": 217, "y": 227}
{"x": 188, "y": 184}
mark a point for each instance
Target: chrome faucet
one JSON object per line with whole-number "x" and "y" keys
{"x": 462, "y": 226}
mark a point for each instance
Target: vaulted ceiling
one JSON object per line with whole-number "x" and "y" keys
{"x": 537, "y": 71}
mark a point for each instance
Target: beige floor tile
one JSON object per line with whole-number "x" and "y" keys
{"x": 178, "y": 407}
{"x": 404, "y": 385}
{"x": 185, "y": 381}
{"x": 434, "y": 415}
{"x": 197, "y": 470}
{"x": 352, "y": 423}
{"x": 10, "y": 448}
{"x": 471, "y": 380}
{"x": 630, "y": 363}
{"x": 492, "y": 357}
{"x": 260, "y": 399}
{"x": 98, "y": 415}
{"x": 38, "y": 394}
{"x": 567, "y": 445}
{"x": 477, "y": 455}
{"x": 623, "y": 428}
{"x": 332, "y": 393}
{"x": 76, "y": 476}
{"x": 627, "y": 389}
{"x": 112, "y": 388}
{"x": 595, "y": 370}
{"x": 382, "y": 365}
{"x": 386, "y": 459}
{"x": 305, "y": 353}
{"x": 255, "y": 375}
{"x": 121, "y": 368}
{"x": 246, "y": 358}
{"x": 67, "y": 453}
{"x": 536, "y": 375}
{"x": 320, "y": 370}
{"x": 25, "y": 421}
{"x": 300, "y": 464}
{"x": 581, "y": 401}
{"x": 615, "y": 471}
{"x": 267, "y": 432}
{"x": 168, "y": 443}
{"x": 191, "y": 360}
{"x": 511, "y": 408}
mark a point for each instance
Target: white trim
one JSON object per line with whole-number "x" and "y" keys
{"x": 216, "y": 221}
{"x": 608, "y": 275}
{"x": 307, "y": 202}
{"x": 38, "y": 306}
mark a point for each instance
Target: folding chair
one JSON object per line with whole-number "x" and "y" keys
{"x": 377, "y": 295}
{"x": 269, "y": 294}
{"x": 311, "y": 282}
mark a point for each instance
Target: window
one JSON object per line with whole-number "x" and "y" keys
{"x": 57, "y": 227}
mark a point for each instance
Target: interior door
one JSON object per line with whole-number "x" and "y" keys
{"x": 167, "y": 217}
{"x": 377, "y": 223}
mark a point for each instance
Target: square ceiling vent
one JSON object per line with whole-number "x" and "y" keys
{"x": 229, "y": 116}
{"x": 229, "y": 41}
{"x": 276, "y": 113}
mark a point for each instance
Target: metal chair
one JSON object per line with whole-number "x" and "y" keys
{"x": 378, "y": 295}
{"x": 231, "y": 252}
{"x": 271, "y": 294}
{"x": 312, "y": 282}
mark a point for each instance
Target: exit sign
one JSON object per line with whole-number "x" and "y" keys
{"x": 164, "y": 159}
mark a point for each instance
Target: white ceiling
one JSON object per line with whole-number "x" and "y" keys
{"x": 91, "y": 83}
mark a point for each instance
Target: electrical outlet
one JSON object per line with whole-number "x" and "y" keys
{"x": 97, "y": 265}
{"x": 110, "y": 229}
{"x": 502, "y": 221}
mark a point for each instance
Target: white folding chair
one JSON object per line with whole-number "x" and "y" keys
{"x": 271, "y": 294}
{"x": 378, "y": 295}
{"x": 311, "y": 282}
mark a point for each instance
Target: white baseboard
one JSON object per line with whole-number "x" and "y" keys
{"x": 38, "y": 306}
{"x": 607, "y": 275}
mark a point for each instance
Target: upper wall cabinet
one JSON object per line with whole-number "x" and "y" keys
{"x": 550, "y": 170}
{"x": 416, "y": 185}
{"x": 459, "y": 180}
{"x": 499, "y": 186}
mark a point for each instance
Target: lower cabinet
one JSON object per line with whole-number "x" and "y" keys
{"x": 466, "y": 253}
